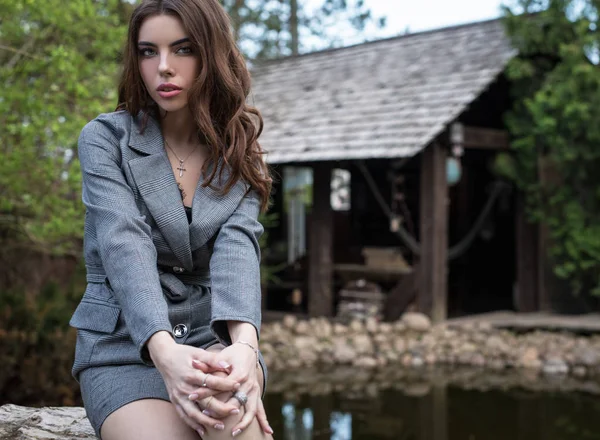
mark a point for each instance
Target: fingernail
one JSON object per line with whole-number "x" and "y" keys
{"x": 200, "y": 431}
{"x": 194, "y": 361}
{"x": 237, "y": 432}
{"x": 219, "y": 427}
{"x": 270, "y": 430}
{"x": 236, "y": 386}
{"x": 208, "y": 413}
{"x": 223, "y": 364}
{"x": 235, "y": 411}
{"x": 193, "y": 396}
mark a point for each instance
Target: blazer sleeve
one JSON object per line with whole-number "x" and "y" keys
{"x": 125, "y": 243}
{"x": 235, "y": 270}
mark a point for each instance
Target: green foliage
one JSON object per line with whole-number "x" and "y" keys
{"x": 556, "y": 131}
{"x": 58, "y": 68}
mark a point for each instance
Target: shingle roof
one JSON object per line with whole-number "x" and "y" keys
{"x": 382, "y": 99}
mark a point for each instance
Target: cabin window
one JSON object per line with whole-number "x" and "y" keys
{"x": 340, "y": 190}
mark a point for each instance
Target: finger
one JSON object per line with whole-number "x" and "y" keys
{"x": 261, "y": 416}
{"x": 202, "y": 393}
{"x": 248, "y": 416}
{"x": 199, "y": 365}
{"x": 206, "y": 363}
{"x": 217, "y": 383}
{"x": 188, "y": 421}
{"x": 219, "y": 409}
{"x": 201, "y": 419}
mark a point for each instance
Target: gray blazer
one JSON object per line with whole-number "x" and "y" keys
{"x": 139, "y": 246}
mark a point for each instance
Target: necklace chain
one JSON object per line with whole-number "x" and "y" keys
{"x": 181, "y": 161}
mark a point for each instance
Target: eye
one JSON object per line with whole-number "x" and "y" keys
{"x": 146, "y": 52}
{"x": 185, "y": 50}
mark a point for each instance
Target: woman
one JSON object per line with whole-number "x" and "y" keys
{"x": 173, "y": 183}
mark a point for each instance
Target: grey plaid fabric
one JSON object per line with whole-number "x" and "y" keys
{"x": 148, "y": 269}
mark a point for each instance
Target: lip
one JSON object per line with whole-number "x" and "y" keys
{"x": 170, "y": 94}
{"x": 168, "y": 90}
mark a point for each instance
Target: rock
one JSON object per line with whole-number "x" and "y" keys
{"x": 399, "y": 345}
{"x": 365, "y": 362}
{"x": 371, "y": 325}
{"x": 340, "y": 329}
{"x": 555, "y": 365}
{"x": 302, "y": 328}
{"x": 416, "y": 321}
{"x": 399, "y": 327}
{"x": 385, "y": 328}
{"x": 356, "y": 326}
{"x": 21, "y": 423}
{"x": 323, "y": 329}
{"x": 530, "y": 359}
{"x": 497, "y": 345}
{"x": 343, "y": 352}
{"x": 414, "y": 342}
{"x": 363, "y": 344}
{"x": 587, "y": 357}
{"x": 417, "y": 362}
{"x": 290, "y": 321}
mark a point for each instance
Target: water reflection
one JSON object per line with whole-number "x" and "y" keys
{"x": 434, "y": 406}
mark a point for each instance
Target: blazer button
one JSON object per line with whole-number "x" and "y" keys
{"x": 180, "y": 330}
{"x": 178, "y": 269}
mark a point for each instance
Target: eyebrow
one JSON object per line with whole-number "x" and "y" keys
{"x": 174, "y": 43}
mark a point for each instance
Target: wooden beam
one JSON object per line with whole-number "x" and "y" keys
{"x": 320, "y": 264}
{"x": 433, "y": 273}
{"x": 527, "y": 260}
{"x": 479, "y": 137}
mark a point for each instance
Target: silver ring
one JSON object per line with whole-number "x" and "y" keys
{"x": 204, "y": 381}
{"x": 241, "y": 397}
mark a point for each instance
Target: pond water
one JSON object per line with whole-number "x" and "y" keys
{"x": 480, "y": 406}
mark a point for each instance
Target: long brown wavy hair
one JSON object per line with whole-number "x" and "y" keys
{"x": 217, "y": 98}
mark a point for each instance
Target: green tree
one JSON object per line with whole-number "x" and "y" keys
{"x": 57, "y": 70}
{"x": 268, "y": 29}
{"x": 556, "y": 129}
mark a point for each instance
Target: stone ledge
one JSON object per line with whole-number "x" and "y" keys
{"x": 52, "y": 423}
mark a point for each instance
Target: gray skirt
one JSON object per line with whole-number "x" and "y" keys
{"x": 107, "y": 364}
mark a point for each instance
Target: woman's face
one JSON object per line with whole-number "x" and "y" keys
{"x": 167, "y": 61}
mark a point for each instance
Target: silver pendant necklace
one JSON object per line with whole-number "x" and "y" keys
{"x": 181, "y": 161}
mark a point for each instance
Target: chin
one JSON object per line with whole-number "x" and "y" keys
{"x": 172, "y": 107}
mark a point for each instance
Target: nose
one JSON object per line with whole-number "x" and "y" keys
{"x": 164, "y": 67}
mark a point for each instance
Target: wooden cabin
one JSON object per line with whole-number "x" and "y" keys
{"x": 384, "y": 154}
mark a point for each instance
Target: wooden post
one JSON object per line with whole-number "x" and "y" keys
{"x": 433, "y": 411}
{"x": 433, "y": 233}
{"x": 527, "y": 260}
{"x": 322, "y": 407}
{"x": 320, "y": 265}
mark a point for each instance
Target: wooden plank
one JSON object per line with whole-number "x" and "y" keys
{"x": 320, "y": 261}
{"x": 479, "y": 137}
{"x": 526, "y": 259}
{"x": 433, "y": 265}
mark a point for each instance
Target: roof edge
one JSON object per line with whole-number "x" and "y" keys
{"x": 264, "y": 63}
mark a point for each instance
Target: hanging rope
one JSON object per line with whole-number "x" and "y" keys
{"x": 413, "y": 245}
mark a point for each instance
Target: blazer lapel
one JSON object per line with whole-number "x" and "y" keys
{"x": 156, "y": 183}
{"x": 211, "y": 209}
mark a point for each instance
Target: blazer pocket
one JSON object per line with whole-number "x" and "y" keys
{"x": 95, "y": 316}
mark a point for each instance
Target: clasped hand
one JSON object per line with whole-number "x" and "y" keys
{"x": 202, "y": 383}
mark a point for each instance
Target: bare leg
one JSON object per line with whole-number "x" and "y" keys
{"x": 253, "y": 432}
{"x": 147, "y": 419}
{"x": 155, "y": 419}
